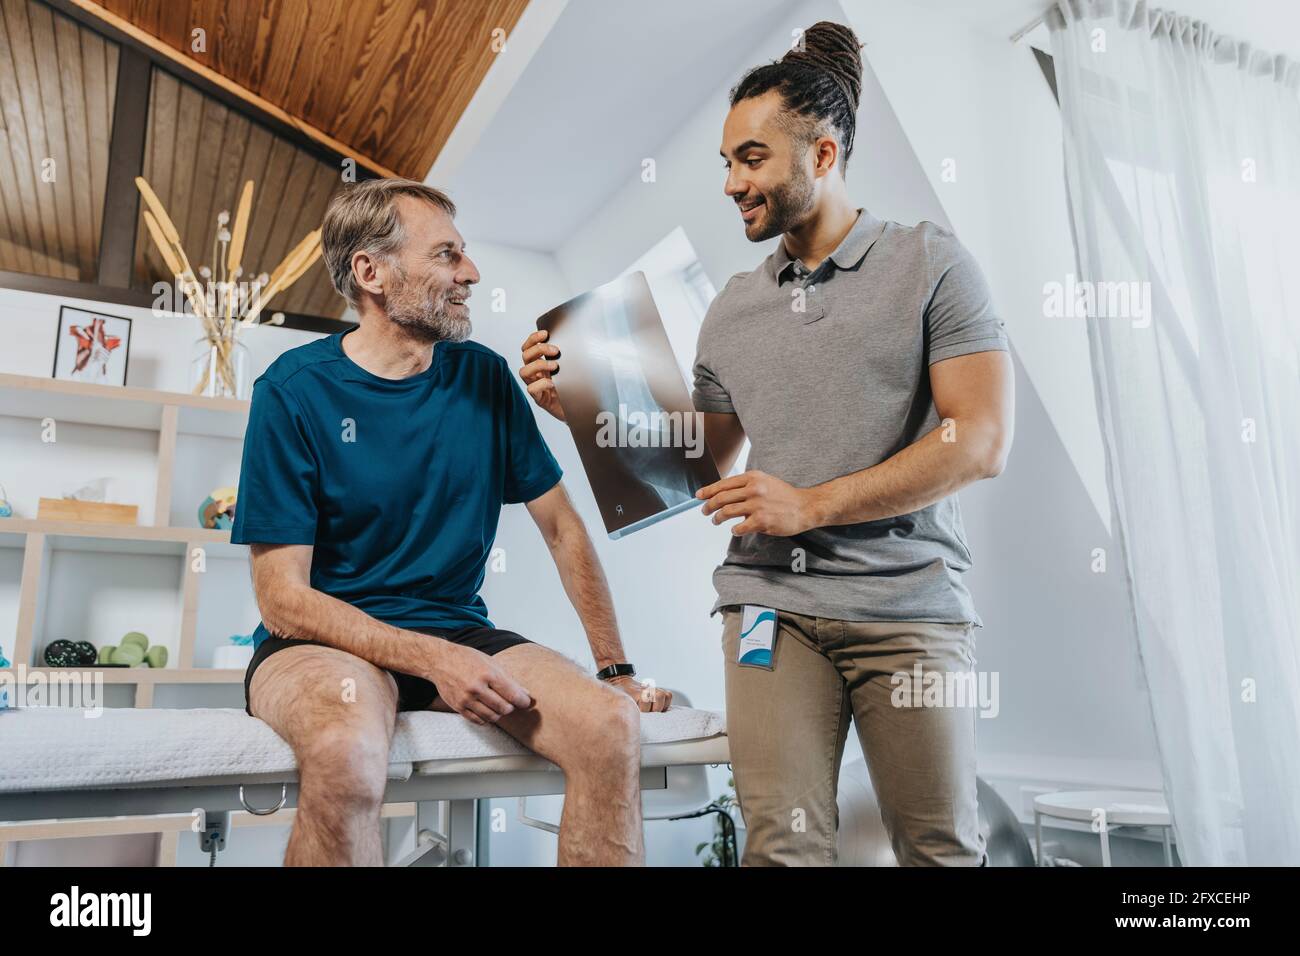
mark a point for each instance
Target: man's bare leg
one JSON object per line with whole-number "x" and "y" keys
{"x": 337, "y": 712}
{"x": 592, "y": 731}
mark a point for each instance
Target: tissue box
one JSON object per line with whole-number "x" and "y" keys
{"x": 70, "y": 509}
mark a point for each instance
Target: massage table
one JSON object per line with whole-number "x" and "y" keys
{"x": 65, "y": 764}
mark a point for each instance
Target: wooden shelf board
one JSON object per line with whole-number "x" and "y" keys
{"x": 28, "y": 396}
{"x": 118, "y": 538}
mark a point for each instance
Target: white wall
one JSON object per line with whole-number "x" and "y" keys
{"x": 972, "y": 103}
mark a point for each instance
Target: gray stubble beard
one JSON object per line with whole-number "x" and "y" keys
{"x": 414, "y": 311}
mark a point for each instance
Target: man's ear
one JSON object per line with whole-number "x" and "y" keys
{"x": 825, "y": 153}
{"x": 365, "y": 272}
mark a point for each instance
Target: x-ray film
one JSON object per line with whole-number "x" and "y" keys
{"x": 640, "y": 440}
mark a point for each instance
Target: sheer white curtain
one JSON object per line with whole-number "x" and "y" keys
{"x": 1182, "y": 155}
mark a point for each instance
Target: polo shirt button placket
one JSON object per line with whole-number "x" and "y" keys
{"x": 814, "y": 310}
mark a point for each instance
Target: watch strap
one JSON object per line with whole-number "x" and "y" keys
{"x": 616, "y": 670}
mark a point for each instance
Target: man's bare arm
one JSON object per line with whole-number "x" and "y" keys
{"x": 292, "y": 608}
{"x": 580, "y": 572}
{"x": 725, "y": 437}
{"x": 584, "y": 582}
{"x": 975, "y": 397}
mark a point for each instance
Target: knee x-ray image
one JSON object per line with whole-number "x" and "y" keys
{"x": 640, "y": 440}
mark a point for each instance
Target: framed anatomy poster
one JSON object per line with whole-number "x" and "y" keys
{"x": 91, "y": 347}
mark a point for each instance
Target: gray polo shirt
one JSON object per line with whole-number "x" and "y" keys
{"x": 828, "y": 373}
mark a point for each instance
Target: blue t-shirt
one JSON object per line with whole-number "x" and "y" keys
{"x": 397, "y": 483}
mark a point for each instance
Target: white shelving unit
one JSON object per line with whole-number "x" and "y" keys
{"x": 169, "y": 414}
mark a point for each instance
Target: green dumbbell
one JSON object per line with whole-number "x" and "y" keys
{"x": 106, "y": 654}
{"x": 129, "y": 654}
{"x": 156, "y": 656}
{"x": 135, "y": 637}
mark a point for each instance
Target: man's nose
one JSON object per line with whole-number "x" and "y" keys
{"x": 735, "y": 185}
{"x": 468, "y": 273}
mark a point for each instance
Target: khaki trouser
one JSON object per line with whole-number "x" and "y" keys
{"x": 787, "y": 728}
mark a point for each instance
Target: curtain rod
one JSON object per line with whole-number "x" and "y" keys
{"x": 1028, "y": 27}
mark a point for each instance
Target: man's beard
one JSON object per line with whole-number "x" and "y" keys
{"x": 424, "y": 313}
{"x": 787, "y": 204}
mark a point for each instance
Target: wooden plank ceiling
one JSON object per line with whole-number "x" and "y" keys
{"x": 198, "y": 153}
{"x": 57, "y": 83}
{"x": 389, "y": 78}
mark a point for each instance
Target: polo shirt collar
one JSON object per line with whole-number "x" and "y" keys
{"x": 866, "y": 230}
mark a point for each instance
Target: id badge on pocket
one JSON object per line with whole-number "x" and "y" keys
{"x": 757, "y": 637}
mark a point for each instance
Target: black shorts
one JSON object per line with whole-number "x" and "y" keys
{"x": 413, "y": 693}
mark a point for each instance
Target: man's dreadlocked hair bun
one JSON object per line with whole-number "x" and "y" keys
{"x": 819, "y": 78}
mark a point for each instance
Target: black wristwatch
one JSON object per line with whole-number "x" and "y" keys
{"x": 616, "y": 670}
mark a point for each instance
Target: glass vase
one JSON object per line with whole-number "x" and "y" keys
{"x": 220, "y": 367}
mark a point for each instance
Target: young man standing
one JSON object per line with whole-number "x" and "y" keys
{"x": 865, "y": 363}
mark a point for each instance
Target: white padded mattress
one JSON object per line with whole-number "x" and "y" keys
{"x": 48, "y": 748}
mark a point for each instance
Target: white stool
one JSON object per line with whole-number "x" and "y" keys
{"x": 1106, "y": 810}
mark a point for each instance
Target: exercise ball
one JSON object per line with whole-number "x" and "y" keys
{"x": 862, "y": 837}
{"x": 1006, "y": 843}
{"x": 863, "y": 840}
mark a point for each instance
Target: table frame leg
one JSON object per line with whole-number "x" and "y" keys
{"x": 1038, "y": 838}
